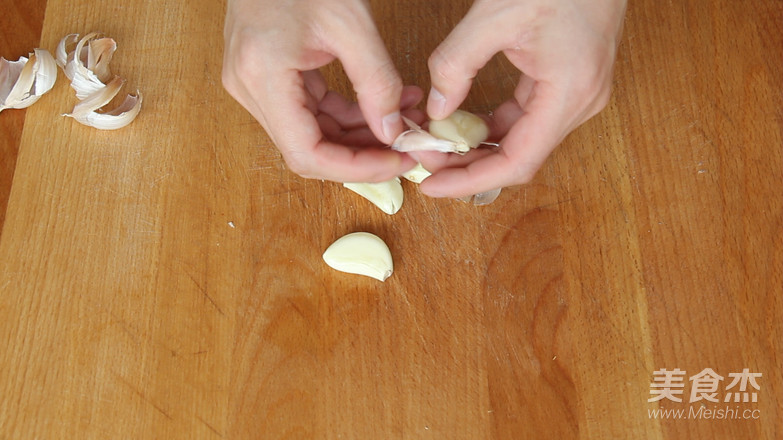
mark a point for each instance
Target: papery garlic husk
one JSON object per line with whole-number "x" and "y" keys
{"x": 481, "y": 199}
{"x": 87, "y": 111}
{"x": 416, "y": 174}
{"x": 386, "y": 195}
{"x": 89, "y": 71}
{"x": 24, "y": 81}
{"x": 360, "y": 253}
{"x": 87, "y": 66}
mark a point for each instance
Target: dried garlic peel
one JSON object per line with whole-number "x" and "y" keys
{"x": 416, "y": 174}
{"x": 387, "y": 195}
{"x": 481, "y": 199}
{"x": 360, "y": 253}
{"x": 87, "y": 66}
{"x": 24, "y": 81}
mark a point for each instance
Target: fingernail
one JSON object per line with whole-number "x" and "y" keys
{"x": 436, "y": 104}
{"x": 390, "y": 125}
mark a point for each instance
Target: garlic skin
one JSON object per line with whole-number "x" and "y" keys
{"x": 24, "y": 81}
{"x": 464, "y": 128}
{"x": 416, "y": 174}
{"x": 481, "y": 199}
{"x": 386, "y": 195}
{"x": 360, "y": 253}
{"x": 87, "y": 66}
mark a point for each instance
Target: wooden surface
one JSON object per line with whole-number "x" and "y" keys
{"x": 165, "y": 280}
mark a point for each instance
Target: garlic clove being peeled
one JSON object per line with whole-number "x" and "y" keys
{"x": 417, "y": 139}
{"x": 458, "y": 133}
{"x": 464, "y": 128}
{"x": 360, "y": 253}
{"x": 386, "y": 195}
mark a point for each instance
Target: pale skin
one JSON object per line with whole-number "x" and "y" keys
{"x": 564, "y": 49}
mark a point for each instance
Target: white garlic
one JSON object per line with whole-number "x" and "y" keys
{"x": 24, "y": 81}
{"x": 87, "y": 66}
{"x": 360, "y": 253}
{"x": 458, "y": 133}
{"x": 386, "y": 195}
{"x": 464, "y": 128}
{"x": 416, "y": 174}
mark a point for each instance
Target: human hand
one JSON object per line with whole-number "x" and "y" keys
{"x": 272, "y": 52}
{"x": 565, "y": 50}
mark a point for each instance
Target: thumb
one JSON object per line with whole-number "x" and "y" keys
{"x": 457, "y": 60}
{"x": 376, "y": 81}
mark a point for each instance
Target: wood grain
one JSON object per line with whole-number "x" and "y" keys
{"x": 165, "y": 281}
{"x": 20, "y": 30}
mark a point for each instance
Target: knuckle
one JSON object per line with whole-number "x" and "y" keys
{"x": 441, "y": 63}
{"x": 383, "y": 81}
{"x": 299, "y": 163}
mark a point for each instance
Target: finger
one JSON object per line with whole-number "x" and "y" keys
{"x": 300, "y": 139}
{"x": 522, "y": 152}
{"x": 457, "y": 60}
{"x": 348, "y": 114}
{"x": 509, "y": 112}
{"x": 434, "y": 161}
{"x": 316, "y": 87}
{"x": 375, "y": 79}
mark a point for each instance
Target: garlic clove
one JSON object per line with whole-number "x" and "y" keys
{"x": 386, "y": 195}
{"x": 458, "y": 133}
{"x": 417, "y": 139}
{"x": 360, "y": 253}
{"x": 24, "y": 81}
{"x": 464, "y": 128}
{"x": 416, "y": 174}
{"x": 414, "y": 140}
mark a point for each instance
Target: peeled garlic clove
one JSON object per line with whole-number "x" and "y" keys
{"x": 360, "y": 253}
{"x": 24, "y": 81}
{"x": 385, "y": 195}
{"x": 416, "y": 174}
{"x": 464, "y": 128}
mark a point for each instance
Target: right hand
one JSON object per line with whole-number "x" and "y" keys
{"x": 273, "y": 50}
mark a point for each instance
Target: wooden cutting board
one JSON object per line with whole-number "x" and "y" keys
{"x": 165, "y": 280}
